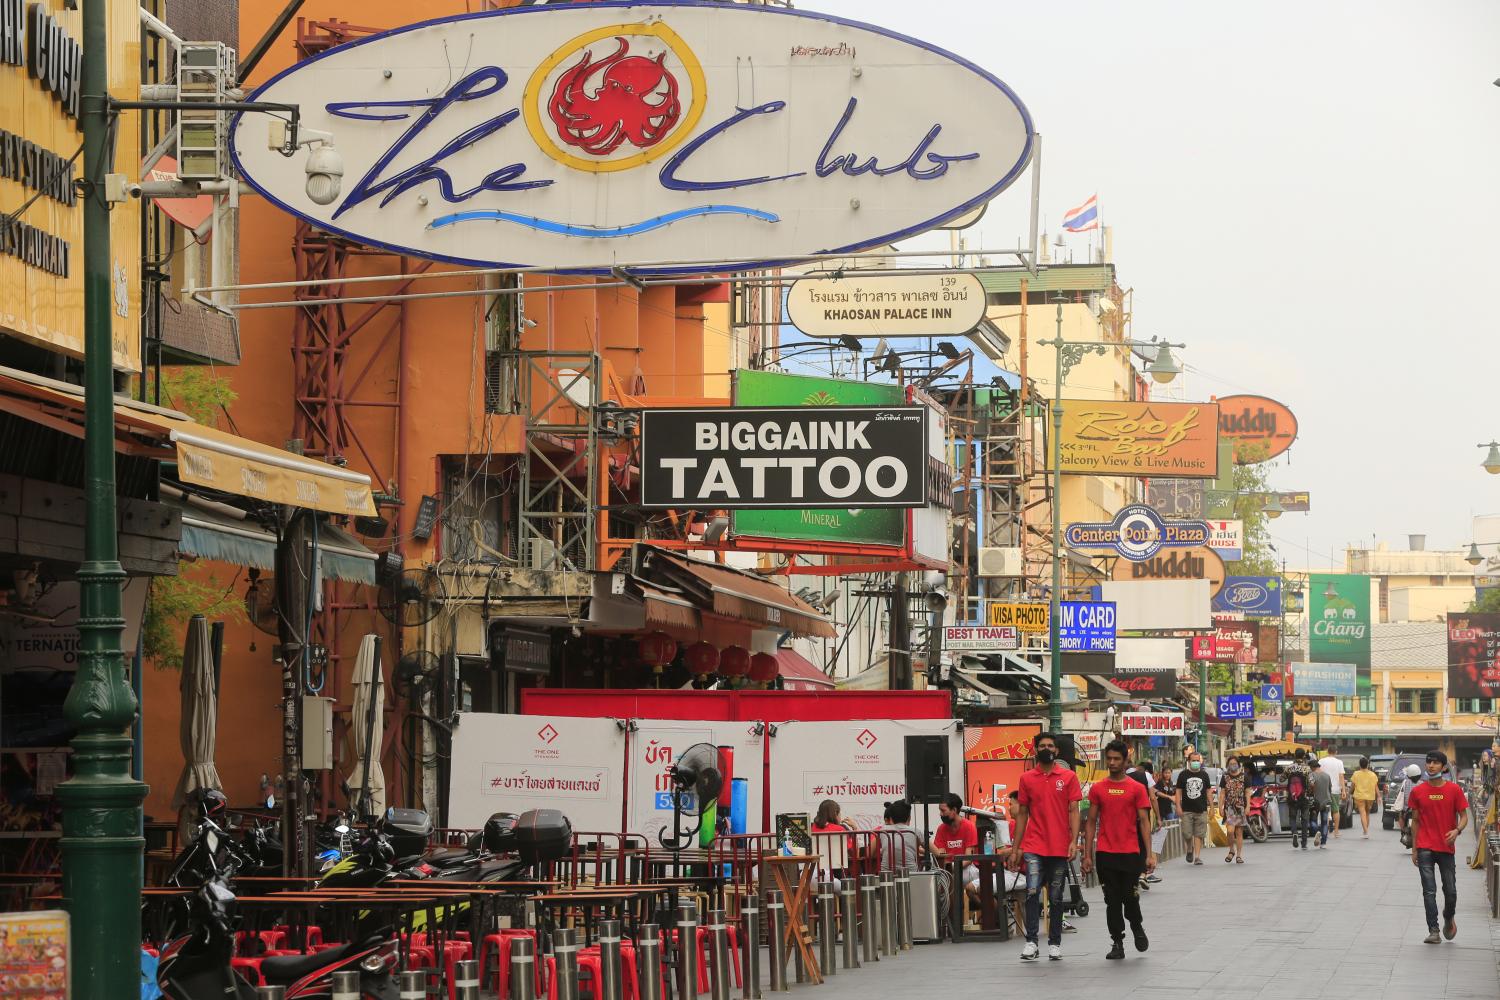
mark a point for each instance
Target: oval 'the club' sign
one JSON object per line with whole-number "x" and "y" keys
{"x": 646, "y": 135}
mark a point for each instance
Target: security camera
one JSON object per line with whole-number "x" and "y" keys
{"x": 325, "y": 172}
{"x": 133, "y": 189}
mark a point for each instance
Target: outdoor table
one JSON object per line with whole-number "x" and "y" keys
{"x": 627, "y": 903}
{"x": 793, "y": 876}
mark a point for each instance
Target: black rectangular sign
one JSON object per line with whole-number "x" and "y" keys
{"x": 793, "y": 457}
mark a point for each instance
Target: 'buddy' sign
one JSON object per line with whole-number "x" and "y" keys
{"x": 587, "y": 136}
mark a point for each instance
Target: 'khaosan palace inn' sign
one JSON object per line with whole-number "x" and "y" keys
{"x": 589, "y": 135}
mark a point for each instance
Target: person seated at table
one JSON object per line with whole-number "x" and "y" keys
{"x": 898, "y": 845}
{"x": 830, "y": 820}
{"x": 954, "y": 835}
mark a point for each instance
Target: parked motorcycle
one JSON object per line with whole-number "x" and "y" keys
{"x": 1255, "y": 816}
{"x": 197, "y": 965}
{"x": 395, "y": 847}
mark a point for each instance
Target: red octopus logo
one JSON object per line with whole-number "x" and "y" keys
{"x": 634, "y": 99}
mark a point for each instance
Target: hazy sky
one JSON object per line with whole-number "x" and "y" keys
{"x": 1308, "y": 195}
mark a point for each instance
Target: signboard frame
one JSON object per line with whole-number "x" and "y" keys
{"x": 981, "y": 638}
{"x": 1086, "y": 627}
{"x": 886, "y": 305}
{"x": 1145, "y": 438}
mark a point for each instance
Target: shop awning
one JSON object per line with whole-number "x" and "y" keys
{"x": 798, "y": 673}
{"x": 205, "y": 456}
{"x": 733, "y": 593}
{"x": 1107, "y": 688}
{"x": 669, "y": 610}
{"x": 208, "y": 534}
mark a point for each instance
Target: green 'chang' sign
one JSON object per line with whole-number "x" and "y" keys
{"x": 880, "y": 526}
{"x": 1339, "y": 623}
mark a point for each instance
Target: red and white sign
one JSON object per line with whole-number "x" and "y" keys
{"x": 658, "y": 743}
{"x": 509, "y": 763}
{"x": 981, "y": 638}
{"x": 861, "y": 765}
{"x": 1152, "y": 724}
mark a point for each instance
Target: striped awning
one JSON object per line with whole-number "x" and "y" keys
{"x": 208, "y": 534}
{"x": 205, "y": 456}
{"x": 734, "y": 594}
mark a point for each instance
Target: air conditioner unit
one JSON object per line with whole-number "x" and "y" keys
{"x": 544, "y": 554}
{"x": 1000, "y": 561}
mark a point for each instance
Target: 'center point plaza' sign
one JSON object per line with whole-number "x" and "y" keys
{"x": 798, "y": 456}
{"x": 1137, "y": 533}
{"x": 586, "y": 136}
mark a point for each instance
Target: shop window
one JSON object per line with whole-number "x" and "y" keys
{"x": 1474, "y": 706}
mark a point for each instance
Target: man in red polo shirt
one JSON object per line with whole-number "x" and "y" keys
{"x": 1117, "y": 841}
{"x": 1439, "y": 813}
{"x": 1046, "y": 841}
{"x": 954, "y": 835}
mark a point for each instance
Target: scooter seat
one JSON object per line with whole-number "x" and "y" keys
{"x": 447, "y": 856}
{"x": 282, "y": 970}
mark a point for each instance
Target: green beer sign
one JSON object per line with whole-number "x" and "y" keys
{"x": 873, "y": 526}
{"x": 1339, "y": 622}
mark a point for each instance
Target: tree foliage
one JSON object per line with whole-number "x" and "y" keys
{"x": 172, "y": 600}
{"x": 1489, "y": 600}
{"x": 1251, "y": 482}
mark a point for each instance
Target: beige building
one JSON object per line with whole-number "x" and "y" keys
{"x": 1415, "y": 585}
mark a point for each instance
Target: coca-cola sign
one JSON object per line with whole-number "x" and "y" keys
{"x": 1146, "y": 682}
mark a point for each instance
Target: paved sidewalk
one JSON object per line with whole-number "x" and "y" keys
{"x": 1345, "y": 922}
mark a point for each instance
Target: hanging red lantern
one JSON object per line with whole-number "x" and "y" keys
{"x": 656, "y": 649}
{"x": 701, "y": 659}
{"x": 763, "y": 668}
{"x": 734, "y": 661}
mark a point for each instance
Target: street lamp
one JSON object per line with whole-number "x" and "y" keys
{"x": 1491, "y": 461}
{"x": 1068, "y": 354}
{"x": 1473, "y": 558}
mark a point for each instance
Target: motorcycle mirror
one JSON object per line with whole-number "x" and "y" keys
{"x": 270, "y": 802}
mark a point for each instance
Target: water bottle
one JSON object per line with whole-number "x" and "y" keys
{"x": 989, "y": 842}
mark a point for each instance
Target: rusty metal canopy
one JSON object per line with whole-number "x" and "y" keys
{"x": 733, "y": 593}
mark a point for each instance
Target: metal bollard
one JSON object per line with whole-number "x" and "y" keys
{"x": 565, "y": 955}
{"x": 466, "y": 980}
{"x": 850, "y": 918}
{"x": 903, "y": 908}
{"x": 345, "y": 986}
{"x": 522, "y": 969}
{"x": 279, "y": 993}
{"x": 719, "y": 971}
{"x": 648, "y": 962}
{"x": 687, "y": 951}
{"x": 776, "y": 928}
{"x": 413, "y": 985}
{"x": 869, "y": 919}
{"x": 609, "y": 961}
{"x": 889, "y": 922}
{"x": 749, "y": 950}
{"x": 827, "y": 932}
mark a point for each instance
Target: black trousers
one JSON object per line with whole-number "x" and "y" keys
{"x": 1120, "y": 880}
{"x": 1301, "y": 815}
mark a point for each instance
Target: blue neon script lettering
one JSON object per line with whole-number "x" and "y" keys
{"x": 849, "y": 164}
{"x": 480, "y": 83}
{"x": 921, "y": 164}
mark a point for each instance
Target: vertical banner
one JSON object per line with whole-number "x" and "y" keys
{"x": 657, "y": 744}
{"x": 1339, "y": 617}
{"x": 512, "y": 763}
{"x": 1473, "y": 655}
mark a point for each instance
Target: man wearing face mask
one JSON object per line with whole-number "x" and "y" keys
{"x": 1046, "y": 842}
{"x": 1192, "y": 802}
{"x": 1439, "y": 813}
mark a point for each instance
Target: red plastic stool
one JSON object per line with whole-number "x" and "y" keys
{"x": 248, "y": 969}
{"x": 311, "y": 936}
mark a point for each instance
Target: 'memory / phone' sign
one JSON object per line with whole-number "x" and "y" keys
{"x": 794, "y": 457}
{"x": 1152, "y": 724}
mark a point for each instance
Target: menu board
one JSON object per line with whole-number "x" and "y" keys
{"x": 34, "y": 956}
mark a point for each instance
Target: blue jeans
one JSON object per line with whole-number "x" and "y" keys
{"x": 1443, "y": 861}
{"x": 1050, "y": 872}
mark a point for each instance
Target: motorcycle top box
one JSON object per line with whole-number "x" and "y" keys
{"x": 408, "y": 829}
{"x": 543, "y": 835}
{"x": 499, "y": 835}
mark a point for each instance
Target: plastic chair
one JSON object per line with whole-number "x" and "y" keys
{"x": 248, "y": 970}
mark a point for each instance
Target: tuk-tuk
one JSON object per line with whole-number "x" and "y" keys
{"x": 1265, "y": 766}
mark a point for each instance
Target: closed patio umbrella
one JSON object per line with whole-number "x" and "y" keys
{"x": 199, "y": 724}
{"x": 367, "y": 721}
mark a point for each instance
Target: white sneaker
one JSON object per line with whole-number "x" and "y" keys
{"x": 1030, "y": 952}
{"x": 1054, "y": 952}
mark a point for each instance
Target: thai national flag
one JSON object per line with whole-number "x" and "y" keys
{"x": 1083, "y": 218}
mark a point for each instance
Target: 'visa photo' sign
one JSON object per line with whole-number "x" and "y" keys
{"x": 591, "y": 136}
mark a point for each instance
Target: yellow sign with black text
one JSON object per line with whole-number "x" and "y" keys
{"x": 1115, "y": 438}
{"x": 1028, "y": 617}
{"x": 41, "y": 253}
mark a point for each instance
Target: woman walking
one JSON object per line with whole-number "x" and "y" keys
{"x": 1366, "y": 792}
{"x": 1232, "y": 806}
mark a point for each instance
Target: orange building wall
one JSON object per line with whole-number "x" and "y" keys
{"x": 442, "y": 386}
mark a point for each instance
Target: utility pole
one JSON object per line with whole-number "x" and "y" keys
{"x": 101, "y": 844}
